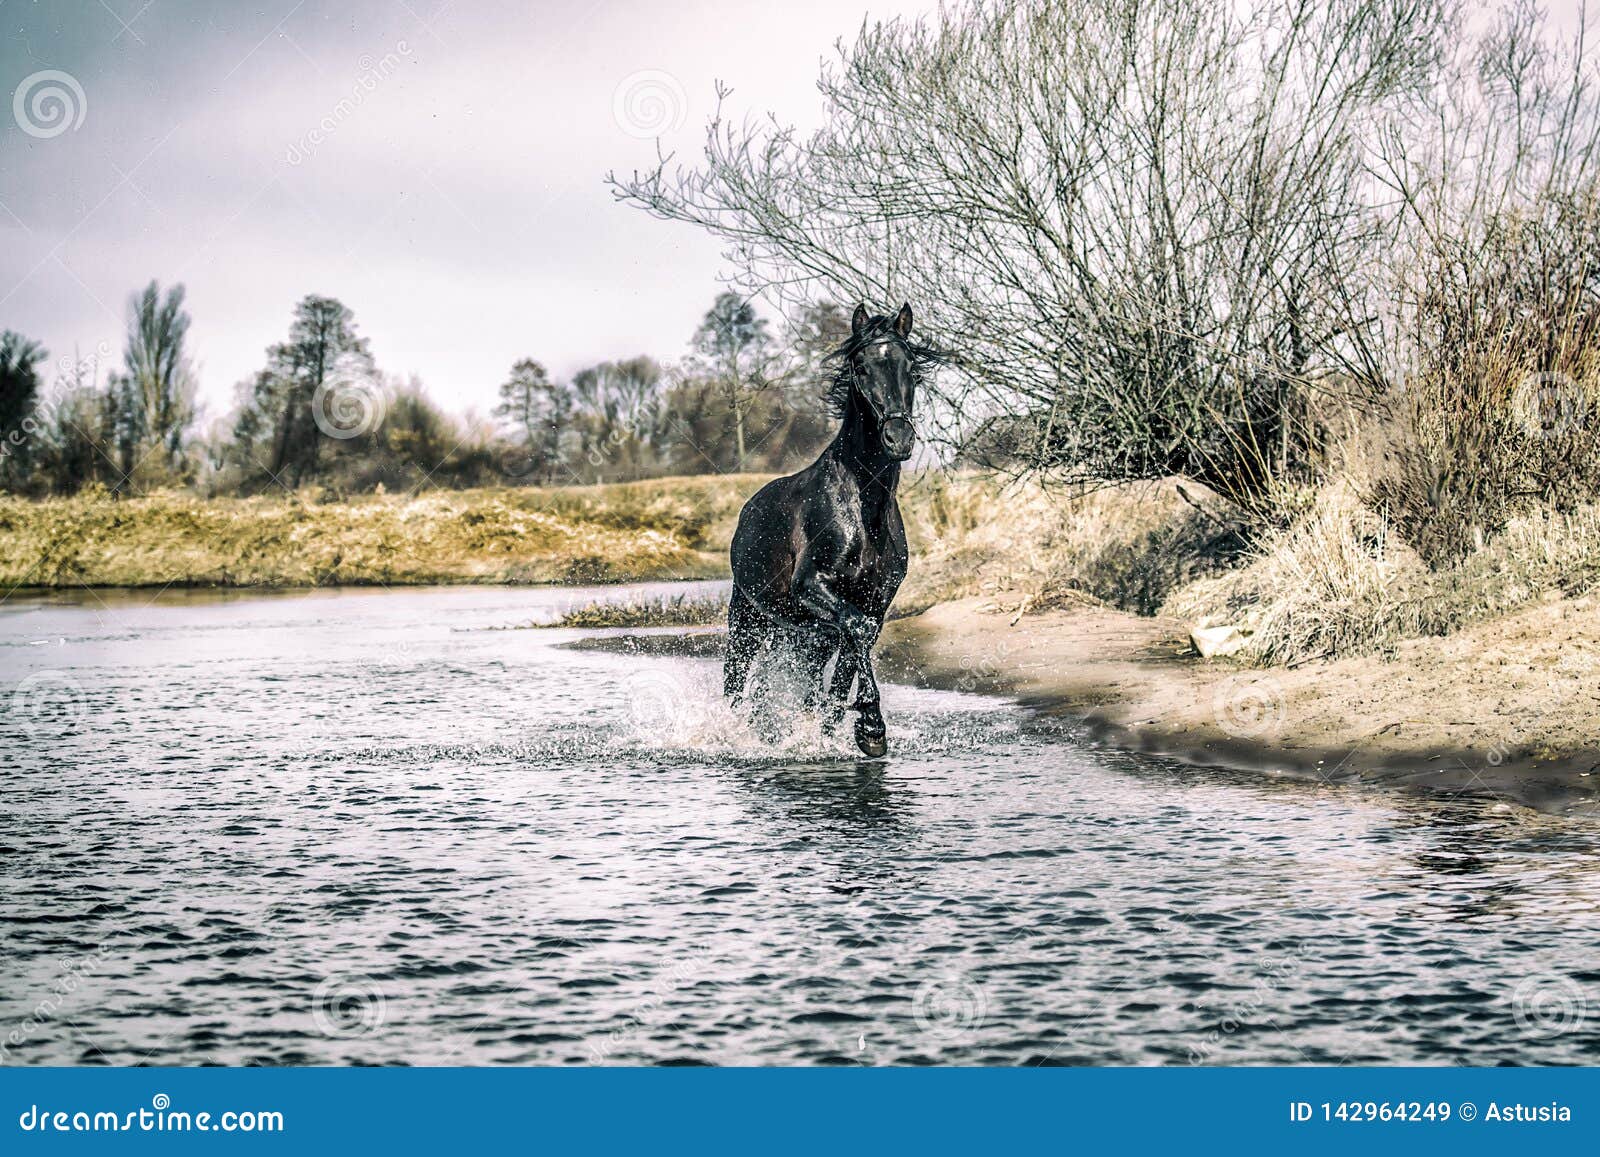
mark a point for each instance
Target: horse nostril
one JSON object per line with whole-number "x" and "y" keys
{"x": 898, "y": 436}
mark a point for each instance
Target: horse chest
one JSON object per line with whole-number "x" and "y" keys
{"x": 870, "y": 559}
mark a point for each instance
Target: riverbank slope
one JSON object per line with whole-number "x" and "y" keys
{"x": 1508, "y": 709}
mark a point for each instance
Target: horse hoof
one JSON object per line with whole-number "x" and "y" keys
{"x": 872, "y": 741}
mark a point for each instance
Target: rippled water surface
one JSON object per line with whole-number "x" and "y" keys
{"x": 366, "y": 827}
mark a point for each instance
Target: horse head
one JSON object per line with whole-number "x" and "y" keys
{"x": 878, "y": 370}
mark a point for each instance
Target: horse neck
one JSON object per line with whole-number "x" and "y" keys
{"x": 858, "y": 449}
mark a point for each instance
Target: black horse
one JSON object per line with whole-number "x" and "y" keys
{"x": 818, "y": 556}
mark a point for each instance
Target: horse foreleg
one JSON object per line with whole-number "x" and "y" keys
{"x": 857, "y": 632}
{"x": 871, "y": 735}
{"x": 844, "y": 677}
{"x": 814, "y": 653}
{"x": 855, "y": 627}
{"x": 744, "y": 642}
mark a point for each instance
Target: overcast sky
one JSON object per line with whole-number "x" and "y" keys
{"x": 454, "y": 199}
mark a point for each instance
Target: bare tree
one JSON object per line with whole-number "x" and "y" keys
{"x": 19, "y": 392}
{"x": 618, "y": 413}
{"x": 1140, "y": 226}
{"x": 540, "y": 408}
{"x": 157, "y": 385}
{"x": 324, "y": 352}
{"x": 1493, "y": 319}
{"x": 733, "y": 351}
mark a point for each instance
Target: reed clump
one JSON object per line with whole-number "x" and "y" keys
{"x": 682, "y": 610}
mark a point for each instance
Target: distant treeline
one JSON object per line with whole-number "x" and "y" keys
{"x": 321, "y": 412}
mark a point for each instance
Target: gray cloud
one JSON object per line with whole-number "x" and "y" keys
{"x": 436, "y": 166}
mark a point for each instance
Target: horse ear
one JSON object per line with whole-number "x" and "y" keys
{"x": 902, "y": 321}
{"x": 858, "y": 321}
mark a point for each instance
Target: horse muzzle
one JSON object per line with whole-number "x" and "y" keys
{"x": 899, "y": 436}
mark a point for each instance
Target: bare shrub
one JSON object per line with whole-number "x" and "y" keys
{"x": 1129, "y": 545}
{"x": 1496, "y": 305}
{"x": 1143, "y": 226}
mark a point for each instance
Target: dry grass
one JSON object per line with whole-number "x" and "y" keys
{"x": 1338, "y": 582}
{"x": 1030, "y": 546}
{"x": 672, "y": 528}
{"x": 971, "y": 535}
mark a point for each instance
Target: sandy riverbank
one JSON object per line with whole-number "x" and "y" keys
{"x": 1507, "y": 710}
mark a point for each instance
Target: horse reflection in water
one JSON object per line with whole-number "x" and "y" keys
{"x": 818, "y": 555}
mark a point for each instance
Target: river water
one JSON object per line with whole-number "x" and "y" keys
{"x": 377, "y": 827}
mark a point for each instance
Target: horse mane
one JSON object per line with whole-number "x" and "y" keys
{"x": 841, "y": 380}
